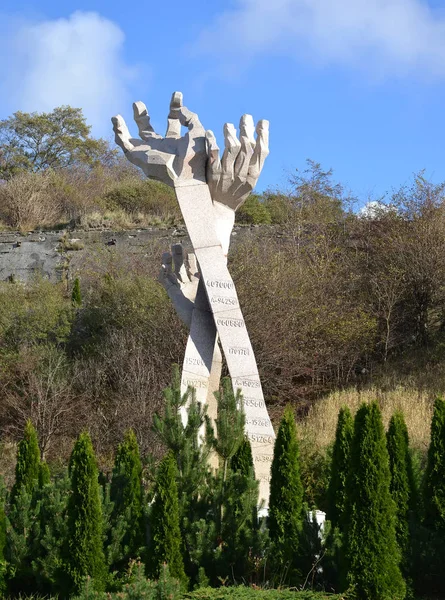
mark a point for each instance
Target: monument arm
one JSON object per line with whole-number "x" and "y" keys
{"x": 187, "y": 163}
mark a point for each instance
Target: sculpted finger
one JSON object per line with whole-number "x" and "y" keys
{"x": 186, "y": 117}
{"x": 260, "y": 153}
{"x": 142, "y": 119}
{"x": 173, "y": 122}
{"x": 247, "y": 141}
{"x": 231, "y": 150}
{"x": 192, "y": 265}
{"x": 213, "y": 168}
{"x": 122, "y": 135}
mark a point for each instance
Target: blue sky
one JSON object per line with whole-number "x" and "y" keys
{"x": 357, "y": 85}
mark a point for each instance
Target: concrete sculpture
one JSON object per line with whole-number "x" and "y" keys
{"x": 209, "y": 189}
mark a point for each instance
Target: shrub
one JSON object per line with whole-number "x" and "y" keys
{"x": 166, "y": 540}
{"x": 84, "y": 555}
{"x": 27, "y": 468}
{"x": 127, "y": 496}
{"x": 76, "y": 296}
{"x": 144, "y": 196}
{"x": 434, "y": 496}
{"x": 253, "y": 212}
{"x": 402, "y": 479}
{"x": 286, "y": 495}
{"x": 27, "y": 201}
{"x": 340, "y": 468}
{"x": 372, "y": 554}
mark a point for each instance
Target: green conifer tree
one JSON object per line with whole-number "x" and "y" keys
{"x": 22, "y": 513}
{"x": 165, "y": 546}
{"x": 44, "y": 474}
{"x": 372, "y": 553}
{"x": 402, "y": 480}
{"x": 194, "y": 481}
{"x": 240, "y": 531}
{"x": 434, "y": 483}
{"x": 84, "y": 554}
{"x": 191, "y": 453}
{"x": 340, "y": 468}
{"x": 286, "y": 498}
{"x": 27, "y": 467}
{"x": 76, "y": 295}
{"x": 50, "y": 536}
{"x": 127, "y": 498}
{"x": 242, "y": 460}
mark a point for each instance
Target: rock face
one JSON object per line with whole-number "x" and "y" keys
{"x": 59, "y": 254}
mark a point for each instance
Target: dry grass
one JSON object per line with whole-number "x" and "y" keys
{"x": 416, "y": 405}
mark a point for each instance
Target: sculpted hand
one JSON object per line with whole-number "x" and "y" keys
{"x": 174, "y": 160}
{"x": 181, "y": 284}
{"x": 232, "y": 178}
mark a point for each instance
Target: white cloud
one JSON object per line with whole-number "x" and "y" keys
{"x": 386, "y": 36}
{"x": 76, "y": 60}
{"x": 375, "y": 209}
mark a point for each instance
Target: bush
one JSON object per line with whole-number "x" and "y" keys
{"x": 340, "y": 468}
{"x": 166, "y": 539}
{"x": 28, "y": 200}
{"x": 372, "y": 554}
{"x": 84, "y": 554}
{"x": 144, "y": 196}
{"x": 253, "y": 212}
{"x": 286, "y": 495}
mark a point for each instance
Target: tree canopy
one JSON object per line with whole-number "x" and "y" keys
{"x": 39, "y": 141}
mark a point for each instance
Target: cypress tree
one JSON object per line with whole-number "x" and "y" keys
{"x": 434, "y": 487}
{"x": 126, "y": 495}
{"x": 340, "y": 468}
{"x": 23, "y": 513}
{"x": 286, "y": 495}
{"x": 402, "y": 478}
{"x": 372, "y": 553}
{"x": 84, "y": 551}
{"x": 27, "y": 468}
{"x": 76, "y": 296}
{"x": 51, "y": 535}
{"x": 166, "y": 542}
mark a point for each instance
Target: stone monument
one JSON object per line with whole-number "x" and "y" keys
{"x": 209, "y": 189}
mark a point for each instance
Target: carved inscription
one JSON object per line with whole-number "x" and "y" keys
{"x": 253, "y": 402}
{"x": 194, "y": 361}
{"x": 196, "y": 383}
{"x": 237, "y": 351}
{"x": 267, "y": 478}
{"x": 267, "y": 458}
{"x": 227, "y": 322}
{"x": 257, "y": 422}
{"x": 229, "y": 301}
{"x": 261, "y": 439}
{"x": 220, "y": 284}
{"x": 250, "y": 383}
